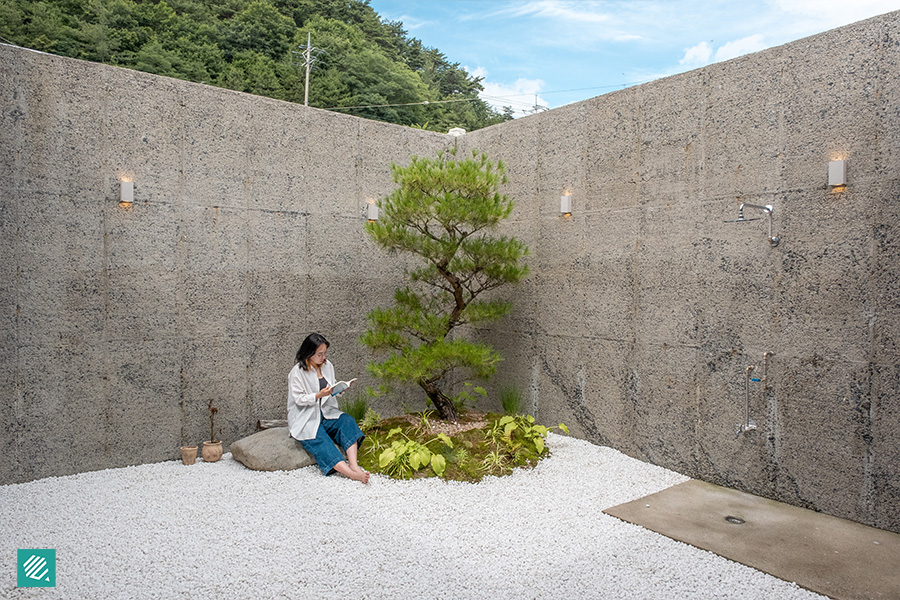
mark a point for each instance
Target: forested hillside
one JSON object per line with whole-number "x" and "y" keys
{"x": 256, "y": 46}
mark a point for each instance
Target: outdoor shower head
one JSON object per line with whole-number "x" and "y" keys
{"x": 741, "y": 219}
{"x": 768, "y": 209}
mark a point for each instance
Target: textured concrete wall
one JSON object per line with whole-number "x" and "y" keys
{"x": 642, "y": 313}
{"x": 646, "y": 307}
{"x": 246, "y": 233}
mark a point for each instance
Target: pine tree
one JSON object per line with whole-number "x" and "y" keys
{"x": 445, "y": 211}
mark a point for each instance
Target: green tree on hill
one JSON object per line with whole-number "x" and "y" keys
{"x": 253, "y": 45}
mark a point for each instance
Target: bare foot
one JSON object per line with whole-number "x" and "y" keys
{"x": 361, "y": 471}
{"x": 355, "y": 474}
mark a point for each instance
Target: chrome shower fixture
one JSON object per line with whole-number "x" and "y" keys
{"x": 768, "y": 209}
{"x": 748, "y": 424}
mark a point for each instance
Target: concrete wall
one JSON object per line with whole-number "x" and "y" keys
{"x": 646, "y": 307}
{"x": 642, "y": 313}
{"x": 245, "y": 235}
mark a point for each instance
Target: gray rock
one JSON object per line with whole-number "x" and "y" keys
{"x": 271, "y": 450}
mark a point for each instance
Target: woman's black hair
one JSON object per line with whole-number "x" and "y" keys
{"x": 309, "y": 347}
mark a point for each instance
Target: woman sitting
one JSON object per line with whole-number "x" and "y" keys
{"x": 313, "y": 415}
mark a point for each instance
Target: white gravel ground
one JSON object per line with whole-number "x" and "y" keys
{"x": 220, "y": 530}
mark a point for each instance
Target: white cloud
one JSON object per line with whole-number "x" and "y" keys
{"x": 702, "y": 54}
{"x": 747, "y": 45}
{"x": 565, "y": 23}
{"x": 564, "y": 10}
{"x": 523, "y": 95}
{"x": 560, "y": 9}
{"x": 411, "y": 23}
{"x": 479, "y": 72}
{"x": 697, "y": 56}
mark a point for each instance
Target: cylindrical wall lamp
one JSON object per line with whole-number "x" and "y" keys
{"x": 565, "y": 204}
{"x": 126, "y": 193}
{"x": 372, "y": 211}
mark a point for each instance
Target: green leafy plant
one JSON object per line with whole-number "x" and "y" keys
{"x": 468, "y": 396}
{"x": 494, "y": 462}
{"x": 510, "y": 399}
{"x": 444, "y": 211}
{"x": 406, "y": 456}
{"x": 460, "y": 456}
{"x": 369, "y": 421}
{"x": 423, "y": 427}
{"x": 516, "y": 433}
{"x": 355, "y": 406}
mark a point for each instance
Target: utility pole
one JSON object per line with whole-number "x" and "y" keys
{"x": 308, "y": 65}
{"x": 310, "y": 55}
{"x": 537, "y": 107}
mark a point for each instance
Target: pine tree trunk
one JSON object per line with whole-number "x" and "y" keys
{"x": 442, "y": 403}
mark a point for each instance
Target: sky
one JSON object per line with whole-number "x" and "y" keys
{"x": 538, "y": 54}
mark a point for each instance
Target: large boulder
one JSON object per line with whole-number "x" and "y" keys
{"x": 271, "y": 450}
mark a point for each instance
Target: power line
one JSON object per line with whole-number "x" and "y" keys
{"x": 522, "y": 106}
{"x": 598, "y": 87}
{"x": 402, "y": 104}
{"x": 503, "y": 99}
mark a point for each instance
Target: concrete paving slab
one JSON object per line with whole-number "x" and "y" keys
{"x": 831, "y": 556}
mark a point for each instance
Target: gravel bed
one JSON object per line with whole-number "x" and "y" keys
{"x": 219, "y": 530}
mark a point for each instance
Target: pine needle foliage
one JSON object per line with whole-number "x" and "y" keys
{"x": 445, "y": 211}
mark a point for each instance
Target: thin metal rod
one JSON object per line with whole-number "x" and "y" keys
{"x": 747, "y": 394}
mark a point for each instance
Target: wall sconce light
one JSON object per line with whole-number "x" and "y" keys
{"x": 126, "y": 193}
{"x": 372, "y": 212}
{"x": 837, "y": 173}
{"x": 565, "y": 204}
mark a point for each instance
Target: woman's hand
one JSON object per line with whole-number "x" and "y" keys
{"x": 323, "y": 392}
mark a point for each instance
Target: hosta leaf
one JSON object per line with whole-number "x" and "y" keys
{"x": 563, "y": 427}
{"x": 438, "y": 464}
{"x": 386, "y": 458}
{"x": 539, "y": 444}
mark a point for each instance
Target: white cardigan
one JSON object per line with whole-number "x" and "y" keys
{"x": 302, "y": 405}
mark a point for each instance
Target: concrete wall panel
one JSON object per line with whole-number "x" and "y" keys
{"x": 611, "y": 152}
{"x": 884, "y": 409}
{"x": 61, "y": 417}
{"x": 885, "y": 283}
{"x": 217, "y": 125}
{"x": 143, "y": 414}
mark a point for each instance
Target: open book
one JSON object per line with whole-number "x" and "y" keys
{"x": 340, "y": 386}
